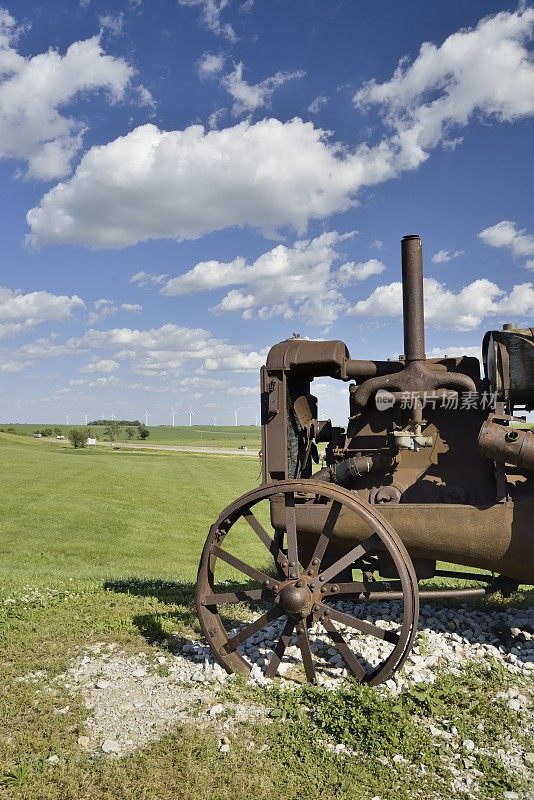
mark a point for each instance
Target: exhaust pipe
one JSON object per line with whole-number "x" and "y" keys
{"x": 412, "y": 298}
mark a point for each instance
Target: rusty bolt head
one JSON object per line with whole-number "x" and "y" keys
{"x": 315, "y": 562}
{"x": 292, "y": 574}
{"x": 310, "y": 572}
{"x": 299, "y": 584}
{"x": 327, "y": 612}
{"x": 335, "y": 588}
{"x": 275, "y": 587}
{"x": 312, "y": 586}
{"x": 321, "y": 578}
{"x": 291, "y": 563}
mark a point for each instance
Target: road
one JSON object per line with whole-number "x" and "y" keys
{"x": 182, "y": 448}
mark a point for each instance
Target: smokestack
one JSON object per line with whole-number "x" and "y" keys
{"x": 412, "y": 298}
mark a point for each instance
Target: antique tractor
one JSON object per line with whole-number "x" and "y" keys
{"x": 431, "y": 467}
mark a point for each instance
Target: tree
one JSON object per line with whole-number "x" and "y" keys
{"x": 77, "y": 438}
{"x": 130, "y": 433}
{"x": 112, "y": 431}
{"x": 58, "y": 431}
{"x": 143, "y": 432}
{"x": 47, "y": 432}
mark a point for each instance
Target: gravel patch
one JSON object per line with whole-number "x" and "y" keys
{"x": 135, "y": 699}
{"x": 131, "y": 704}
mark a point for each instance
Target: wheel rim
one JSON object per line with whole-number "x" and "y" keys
{"x": 303, "y": 597}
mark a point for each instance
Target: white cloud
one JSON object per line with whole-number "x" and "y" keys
{"x": 101, "y": 365}
{"x": 507, "y": 234}
{"x": 19, "y": 311}
{"x": 148, "y": 279}
{"x": 153, "y": 184}
{"x": 299, "y": 280}
{"x": 446, "y": 255}
{"x": 317, "y": 104}
{"x": 111, "y": 23}
{"x": 456, "y": 352}
{"x": 145, "y": 99}
{"x": 34, "y": 92}
{"x": 214, "y": 117}
{"x": 211, "y": 16}
{"x": 103, "y": 382}
{"x": 103, "y": 309}
{"x": 354, "y": 272}
{"x": 210, "y": 64}
{"x": 462, "y": 311}
{"x": 486, "y": 70}
{"x": 249, "y": 97}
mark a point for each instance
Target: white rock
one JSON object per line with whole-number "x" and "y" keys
{"x": 110, "y": 745}
{"x": 52, "y": 760}
{"x": 139, "y": 672}
{"x": 102, "y": 684}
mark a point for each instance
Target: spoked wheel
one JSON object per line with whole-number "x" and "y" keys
{"x": 306, "y": 600}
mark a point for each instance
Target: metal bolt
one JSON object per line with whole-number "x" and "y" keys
{"x": 267, "y": 584}
{"x": 277, "y": 599}
{"x": 310, "y": 572}
{"x": 335, "y": 588}
{"x": 327, "y": 612}
{"x": 276, "y": 587}
{"x": 291, "y": 563}
{"x": 213, "y": 631}
{"x": 321, "y": 578}
{"x": 324, "y": 589}
{"x": 299, "y": 584}
{"x": 315, "y": 562}
{"x": 312, "y": 586}
{"x": 292, "y": 574}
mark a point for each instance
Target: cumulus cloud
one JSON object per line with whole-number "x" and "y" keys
{"x": 454, "y": 351}
{"x": 317, "y": 104}
{"x": 463, "y": 310}
{"x": 446, "y": 255}
{"x": 19, "y": 311}
{"x": 106, "y": 308}
{"x": 153, "y": 184}
{"x": 210, "y": 64}
{"x": 149, "y": 279}
{"x": 34, "y": 91}
{"x": 211, "y": 11}
{"x": 507, "y": 234}
{"x": 301, "y": 280}
{"x": 486, "y": 70}
{"x": 248, "y": 97}
{"x": 101, "y": 365}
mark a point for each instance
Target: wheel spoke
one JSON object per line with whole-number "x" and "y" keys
{"x": 304, "y": 644}
{"x": 360, "y": 624}
{"x": 291, "y": 531}
{"x": 350, "y": 557}
{"x": 249, "y": 630}
{"x": 348, "y": 656}
{"x": 264, "y": 537}
{"x": 280, "y": 649}
{"x": 326, "y": 533}
{"x": 225, "y": 598}
{"x": 255, "y": 574}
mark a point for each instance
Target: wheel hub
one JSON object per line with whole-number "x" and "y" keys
{"x": 296, "y": 599}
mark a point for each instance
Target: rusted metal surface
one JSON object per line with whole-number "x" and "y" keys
{"x": 304, "y": 593}
{"x": 451, "y": 472}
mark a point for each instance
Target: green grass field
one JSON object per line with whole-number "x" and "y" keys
{"x": 103, "y": 546}
{"x": 194, "y": 436}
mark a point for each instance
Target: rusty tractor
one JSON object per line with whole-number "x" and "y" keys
{"x": 431, "y": 480}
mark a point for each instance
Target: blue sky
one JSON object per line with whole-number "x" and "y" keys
{"x": 186, "y": 182}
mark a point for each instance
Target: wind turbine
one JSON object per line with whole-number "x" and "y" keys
{"x": 146, "y": 416}
{"x": 102, "y": 417}
{"x": 68, "y": 418}
{"x": 113, "y": 417}
{"x": 86, "y": 418}
{"x": 235, "y": 412}
{"x": 214, "y": 420}
{"x": 173, "y": 412}
{"x": 191, "y": 415}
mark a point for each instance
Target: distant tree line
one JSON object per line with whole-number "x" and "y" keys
{"x": 56, "y": 431}
{"x": 78, "y": 436}
{"x": 134, "y": 422}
